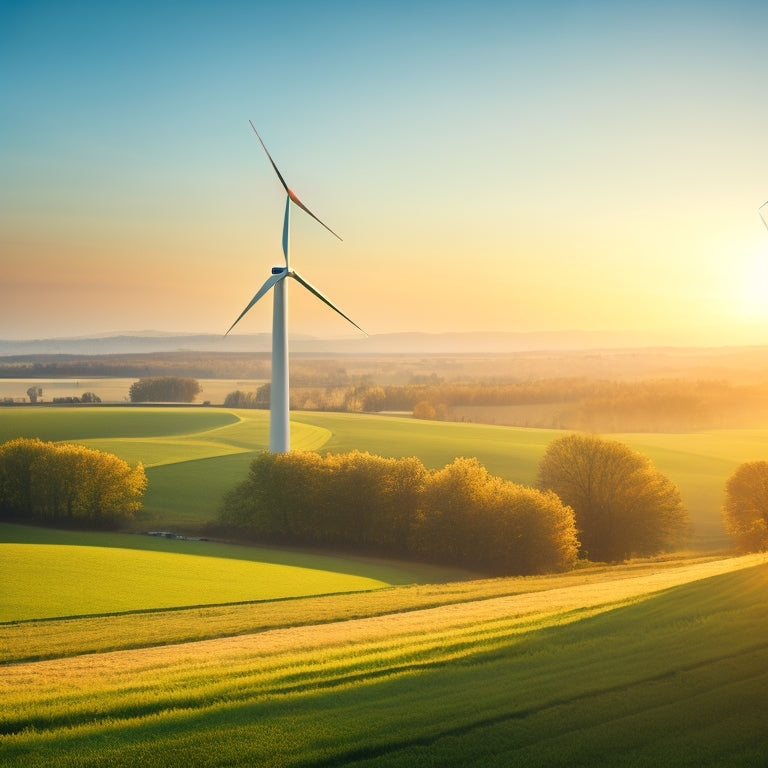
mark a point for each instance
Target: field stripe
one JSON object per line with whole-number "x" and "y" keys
{"x": 355, "y": 631}
{"x": 48, "y": 639}
{"x": 398, "y": 689}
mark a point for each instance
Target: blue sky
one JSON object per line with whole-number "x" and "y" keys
{"x": 490, "y": 166}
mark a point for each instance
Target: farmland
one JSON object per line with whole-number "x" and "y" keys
{"x": 201, "y": 653}
{"x": 553, "y": 674}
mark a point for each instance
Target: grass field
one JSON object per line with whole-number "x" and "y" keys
{"x": 193, "y": 456}
{"x": 124, "y": 650}
{"x": 663, "y": 666}
{"x": 48, "y": 573}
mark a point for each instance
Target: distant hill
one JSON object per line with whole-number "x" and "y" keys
{"x": 393, "y": 343}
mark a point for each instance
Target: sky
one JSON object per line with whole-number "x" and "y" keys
{"x": 490, "y": 166}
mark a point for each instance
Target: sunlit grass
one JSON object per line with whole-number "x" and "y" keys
{"x": 605, "y": 684}
{"x": 49, "y": 573}
{"x": 51, "y": 639}
{"x": 77, "y": 424}
{"x": 42, "y": 581}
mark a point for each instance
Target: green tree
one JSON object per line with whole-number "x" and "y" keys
{"x": 71, "y": 484}
{"x": 16, "y": 487}
{"x": 459, "y": 515}
{"x": 453, "y": 508}
{"x": 623, "y": 505}
{"x": 745, "y": 507}
{"x": 240, "y": 399}
{"x": 164, "y": 389}
{"x": 527, "y": 531}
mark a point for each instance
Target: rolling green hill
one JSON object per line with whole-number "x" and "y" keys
{"x": 194, "y": 455}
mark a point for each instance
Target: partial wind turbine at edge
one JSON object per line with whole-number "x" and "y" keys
{"x": 760, "y": 211}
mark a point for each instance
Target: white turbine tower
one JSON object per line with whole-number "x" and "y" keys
{"x": 279, "y": 403}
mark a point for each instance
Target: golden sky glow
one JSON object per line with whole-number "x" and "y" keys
{"x": 491, "y": 167}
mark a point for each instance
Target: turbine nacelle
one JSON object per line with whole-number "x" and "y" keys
{"x": 280, "y": 273}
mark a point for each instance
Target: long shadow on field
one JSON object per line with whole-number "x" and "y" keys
{"x": 677, "y": 679}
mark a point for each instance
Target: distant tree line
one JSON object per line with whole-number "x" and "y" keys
{"x": 589, "y": 405}
{"x": 459, "y": 515}
{"x": 86, "y": 397}
{"x": 257, "y": 399}
{"x": 203, "y": 365}
{"x": 164, "y": 389}
{"x": 67, "y": 485}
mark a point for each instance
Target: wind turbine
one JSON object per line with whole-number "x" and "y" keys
{"x": 279, "y": 403}
{"x": 760, "y": 211}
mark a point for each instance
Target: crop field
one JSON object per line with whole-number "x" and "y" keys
{"x": 653, "y": 664}
{"x": 194, "y": 455}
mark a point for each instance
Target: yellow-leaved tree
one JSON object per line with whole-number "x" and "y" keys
{"x": 67, "y": 484}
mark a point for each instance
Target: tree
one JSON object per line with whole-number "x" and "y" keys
{"x": 90, "y": 397}
{"x": 262, "y": 396}
{"x": 453, "y": 509}
{"x": 459, "y": 515}
{"x": 33, "y": 393}
{"x": 164, "y": 389}
{"x": 16, "y": 487}
{"x": 528, "y": 531}
{"x": 239, "y": 399}
{"x": 623, "y": 505}
{"x": 71, "y": 484}
{"x": 745, "y": 508}
{"x": 424, "y": 410}
{"x": 374, "y": 399}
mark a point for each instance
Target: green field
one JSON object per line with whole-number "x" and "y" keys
{"x": 48, "y": 573}
{"x": 664, "y": 666}
{"x": 119, "y": 650}
{"x": 194, "y": 455}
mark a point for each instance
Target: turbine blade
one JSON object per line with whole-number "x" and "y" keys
{"x": 290, "y": 192}
{"x": 322, "y": 298}
{"x": 279, "y": 175}
{"x": 304, "y": 208}
{"x": 264, "y": 288}
{"x": 760, "y": 211}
